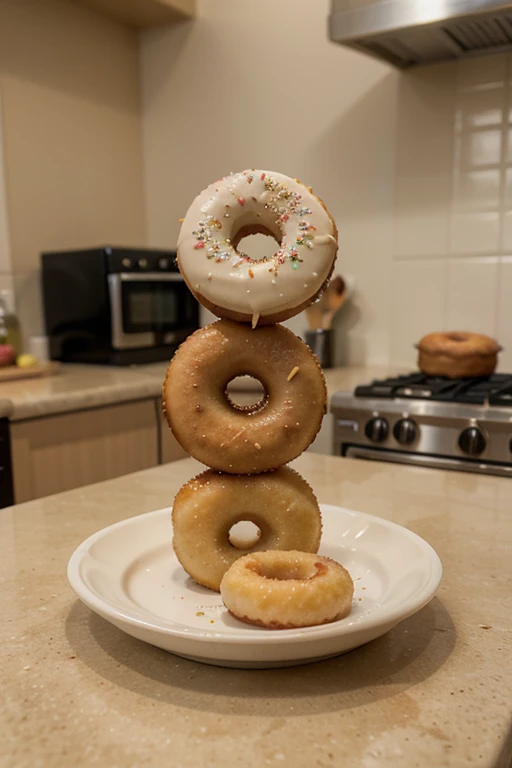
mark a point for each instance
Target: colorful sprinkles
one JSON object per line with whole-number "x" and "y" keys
{"x": 280, "y": 201}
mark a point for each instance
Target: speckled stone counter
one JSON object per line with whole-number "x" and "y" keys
{"x": 78, "y": 387}
{"x": 435, "y": 691}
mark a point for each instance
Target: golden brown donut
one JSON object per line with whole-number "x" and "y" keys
{"x": 284, "y": 590}
{"x": 249, "y": 439}
{"x": 280, "y": 503}
{"x": 457, "y": 354}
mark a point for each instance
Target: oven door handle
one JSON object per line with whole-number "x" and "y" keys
{"x": 149, "y": 277}
{"x": 420, "y": 459}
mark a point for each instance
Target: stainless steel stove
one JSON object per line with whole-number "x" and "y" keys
{"x": 462, "y": 424}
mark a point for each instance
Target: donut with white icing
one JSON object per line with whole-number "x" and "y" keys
{"x": 233, "y": 285}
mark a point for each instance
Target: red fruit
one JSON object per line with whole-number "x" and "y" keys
{"x": 7, "y": 354}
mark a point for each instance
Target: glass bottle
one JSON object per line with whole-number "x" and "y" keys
{"x": 10, "y": 332}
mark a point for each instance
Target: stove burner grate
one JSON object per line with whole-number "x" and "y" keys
{"x": 495, "y": 389}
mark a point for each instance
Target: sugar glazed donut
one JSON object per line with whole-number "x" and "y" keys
{"x": 280, "y": 503}
{"x": 457, "y": 354}
{"x": 249, "y": 439}
{"x": 283, "y": 590}
{"x": 231, "y": 284}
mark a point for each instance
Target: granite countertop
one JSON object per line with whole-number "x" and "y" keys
{"x": 78, "y": 387}
{"x": 435, "y": 691}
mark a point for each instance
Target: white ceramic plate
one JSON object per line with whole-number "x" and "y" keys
{"x": 129, "y": 574}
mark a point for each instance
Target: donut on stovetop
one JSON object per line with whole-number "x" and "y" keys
{"x": 457, "y": 354}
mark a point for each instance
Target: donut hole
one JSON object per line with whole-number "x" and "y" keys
{"x": 246, "y": 393}
{"x": 281, "y": 570}
{"x": 457, "y": 336}
{"x": 258, "y": 246}
{"x": 244, "y": 535}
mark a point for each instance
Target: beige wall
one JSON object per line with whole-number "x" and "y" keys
{"x": 71, "y": 138}
{"x": 259, "y": 85}
{"x": 5, "y": 245}
{"x": 416, "y": 167}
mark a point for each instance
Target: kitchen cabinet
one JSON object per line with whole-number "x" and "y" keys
{"x": 143, "y": 13}
{"x": 170, "y": 449}
{"x": 68, "y": 450}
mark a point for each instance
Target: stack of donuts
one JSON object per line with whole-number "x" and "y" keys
{"x": 279, "y": 581}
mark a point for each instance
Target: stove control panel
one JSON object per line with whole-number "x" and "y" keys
{"x": 455, "y": 435}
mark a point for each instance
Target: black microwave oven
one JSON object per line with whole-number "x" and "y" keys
{"x": 118, "y": 306}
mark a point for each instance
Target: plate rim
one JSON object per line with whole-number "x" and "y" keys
{"x": 285, "y": 636}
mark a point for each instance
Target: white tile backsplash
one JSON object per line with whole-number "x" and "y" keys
{"x": 508, "y": 188}
{"x": 477, "y": 189}
{"x": 504, "y": 313}
{"x": 418, "y": 293}
{"x": 466, "y": 284}
{"x": 482, "y": 73}
{"x": 480, "y": 109}
{"x": 479, "y": 148}
{"x": 472, "y": 287}
{"x": 475, "y": 233}
{"x": 506, "y": 231}
{"x": 508, "y": 154}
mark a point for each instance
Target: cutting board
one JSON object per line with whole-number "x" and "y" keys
{"x": 12, "y": 372}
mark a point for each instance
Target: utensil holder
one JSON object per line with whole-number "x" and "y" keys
{"x": 320, "y": 342}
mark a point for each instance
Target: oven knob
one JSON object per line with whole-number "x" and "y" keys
{"x": 405, "y": 431}
{"x": 127, "y": 262}
{"x": 163, "y": 263}
{"x": 377, "y": 429}
{"x": 142, "y": 263}
{"x": 472, "y": 441}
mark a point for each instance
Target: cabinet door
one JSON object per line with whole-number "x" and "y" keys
{"x": 56, "y": 453}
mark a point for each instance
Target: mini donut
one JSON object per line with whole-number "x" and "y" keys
{"x": 280, "y": 503}
{"x": 457, "y": 354}
{"x": 231, "y": 284}
{"x": 248, "y": 439}
{"x": 284, "y": 590}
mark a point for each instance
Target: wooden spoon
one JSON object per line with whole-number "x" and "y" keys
{"x": 332, "y": 299}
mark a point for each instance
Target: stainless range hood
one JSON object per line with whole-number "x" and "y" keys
{"x": 409, "y": 33}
